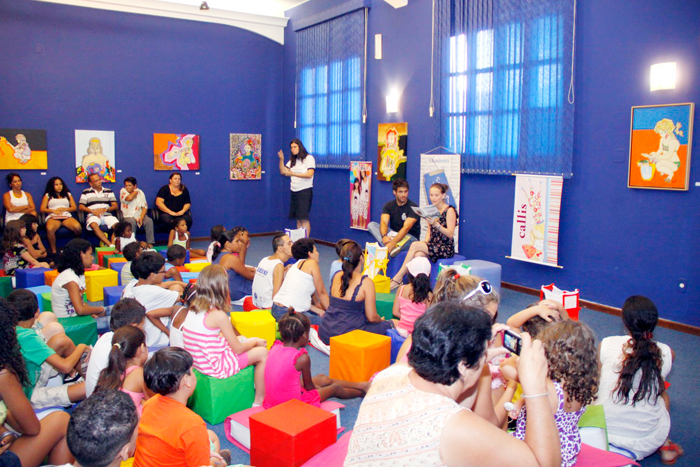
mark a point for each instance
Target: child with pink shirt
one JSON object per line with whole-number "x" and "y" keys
{"x": 413, "y": 299}
{"x": 288, "y": 369}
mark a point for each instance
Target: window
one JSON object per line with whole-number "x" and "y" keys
{"x": 330, "y": 59}
{"x": 503, "y": 102}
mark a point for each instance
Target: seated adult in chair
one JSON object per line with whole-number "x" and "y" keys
{"x": 173, "y": 201}
{"x": 399, "y": 224}
{"x": 134, "y": 208}
{"x": 58, "y": 205}
{"x": 98, "y": 203}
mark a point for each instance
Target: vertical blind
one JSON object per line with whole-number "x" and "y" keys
{"x": 330, "y": 89}
{"x": 504, "y": 71}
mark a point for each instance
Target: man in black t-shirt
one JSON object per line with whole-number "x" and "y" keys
{"x": 399, "y": 225}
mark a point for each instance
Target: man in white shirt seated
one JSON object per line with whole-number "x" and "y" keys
{"x": 154, "y": 294}
{"x": 134, "y": 208}
{"x": 270, "y": 272}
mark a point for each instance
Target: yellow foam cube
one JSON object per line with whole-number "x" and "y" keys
{"x": 382, "y": 284}
{"x": 196, "y": 267}
{"x": 357, "y": 355}
{"x": 96, "y": 281}
{"x": 255, "y": 324}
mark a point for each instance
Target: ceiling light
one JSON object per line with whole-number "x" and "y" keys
{"x": 204, "y": 6}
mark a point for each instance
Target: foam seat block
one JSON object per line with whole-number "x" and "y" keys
{"x": 80, "y": 329}
{"x": 357, "y": 355}
{"x": 45, "y": 302}
{"x": 290, "y": 434}
{"x": 385, "y": 305}
{"x": 237, "y": 426}
{"x": 112, "y": 294}
{"x": 102, "y": 252}
{"x": 188, "y": 276}
{"x": 118, "y": 267}
{"x": 255, "y": 324}
{"x": 196, "y": 267}
{"x": 446, "y": 262}
{"x": 486, "y": 270}
{"x": 50, "y": 276}
{"x": 397, "y": 341}
{"x": 111, "y": 259}
{"x": 334, "y": 454}
{"x": 215, "y": 399}
{"x": 5, "y": 286}
{"x": 382, "y": 284}
{"x": 395, "y": 263}
{"x": 96, "y": 281}
{"x": 38, "y": 290}
{"x": 30, "y": 277}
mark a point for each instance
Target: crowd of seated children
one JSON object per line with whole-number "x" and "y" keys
{"x": 15, "y": 254}
{"x": 289, "y": 365}
{"x": 302, "y": 287}
{"x": 230, "y": 252}
{"x": 124, "y": 370}
{"x": 68, "y": 287}
{"x": 153, "y": 293}
{"x": 270, "y": 272}
{"x": 126, "y": 312}
{"x": 211, "y": 339}
{"x": 175, "y": 255}
{"x": 30, "y": 440}
{"x": 46, "y": 358}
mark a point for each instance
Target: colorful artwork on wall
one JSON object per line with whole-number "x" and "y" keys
{"x": 23, "y": 149}
{"x": 660, "y": 142}
{"x": 360, "y": 194}
{"x": 391, "y": 157}
{"x": 246, "y": 156}
{"x": 94, "y": 153}
{"x": 175, "y": 151}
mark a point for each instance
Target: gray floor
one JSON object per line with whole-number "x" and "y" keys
{"x": 684, "y": 377}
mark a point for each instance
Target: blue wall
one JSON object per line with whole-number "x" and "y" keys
{"x": 614, "y": 241}
{"x": 138, "y": 75}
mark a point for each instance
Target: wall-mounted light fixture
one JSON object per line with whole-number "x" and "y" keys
{"x": 392, "y": 103}
{"x": 378, "y": 46}
{"x": 204, "y": 6}
{"x": 663, "y": 76}
{"x": 397, "y": 3}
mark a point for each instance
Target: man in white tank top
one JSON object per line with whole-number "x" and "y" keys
{"x": 270, "y": 272}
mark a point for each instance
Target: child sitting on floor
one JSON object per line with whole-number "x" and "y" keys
{"x": 125, "y": 368}
{"x": 572, "y": 383}
{"x": 180, "y": 236}
{"x": 413, "y": 299}
{"x": 45, "y": 358}
{"x": 16, "y": 255}
{"x": 211, "y": 339}
{"x": 337, "y": 265}
{"x": 170, "y": 433}
{"x": 122, "y": 235}
{"x": 288, "y": 360}
{"x": 176, "y": 255}
{"x": 131, "y": 252}
{"x": 214, "y": 235}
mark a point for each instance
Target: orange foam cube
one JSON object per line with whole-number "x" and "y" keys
{"x": 357, "y": 355}
{"x": 290, "y": 434}
{"x": 50, "y": 276}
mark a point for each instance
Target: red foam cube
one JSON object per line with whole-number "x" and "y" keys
{"x": 290, "y": 434}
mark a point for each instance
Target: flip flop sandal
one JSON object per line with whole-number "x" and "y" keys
{"x": 671, "y": 447}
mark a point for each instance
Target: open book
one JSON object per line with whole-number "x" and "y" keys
{"x": 426, "y": 211}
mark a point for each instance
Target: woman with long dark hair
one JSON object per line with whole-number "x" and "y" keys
{"x": 58, "y": 205}
{"x": 632, "y": 389}
{"x": 38, "y": 438}
{"x": 353, "y": 299}
{"x": 67, "y": 289}
{"x": 300, "y": 169}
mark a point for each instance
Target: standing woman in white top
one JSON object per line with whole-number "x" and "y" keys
{"x": 58, "y": 204}
{"x": 16, "y": 201}
{"x": 300, "y": 169}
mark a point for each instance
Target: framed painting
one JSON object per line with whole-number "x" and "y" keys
{"x": 94, "y": 154}
{"x": 245, "y": 156}
{"x": 175, "y": 151}
{"x": 660, "y": 142}
{"x": 23, "y": 149}
{"x": 392, "y": 151}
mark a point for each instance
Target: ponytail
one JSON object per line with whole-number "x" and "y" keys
{"x": 421, "y": 287}
{"x": 293, "y": 325}
{"x": 226, "y": 236}
{"x": 350, "y": 255}
{"x": 642, "y": 354}
{"x": 125, "y": 344}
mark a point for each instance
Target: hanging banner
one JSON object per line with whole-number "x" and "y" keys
{"x": 445, "y": 169}
{"x": 536, "y": 219}
{"x": 360, "y": 194}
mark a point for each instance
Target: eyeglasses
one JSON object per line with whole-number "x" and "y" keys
{"x": 484, "y": 288}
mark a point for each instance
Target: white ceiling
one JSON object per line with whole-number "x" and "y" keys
{"x": 264, "y": 17}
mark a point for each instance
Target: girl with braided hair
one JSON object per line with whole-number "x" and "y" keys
{"x": 288, "y": 360}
